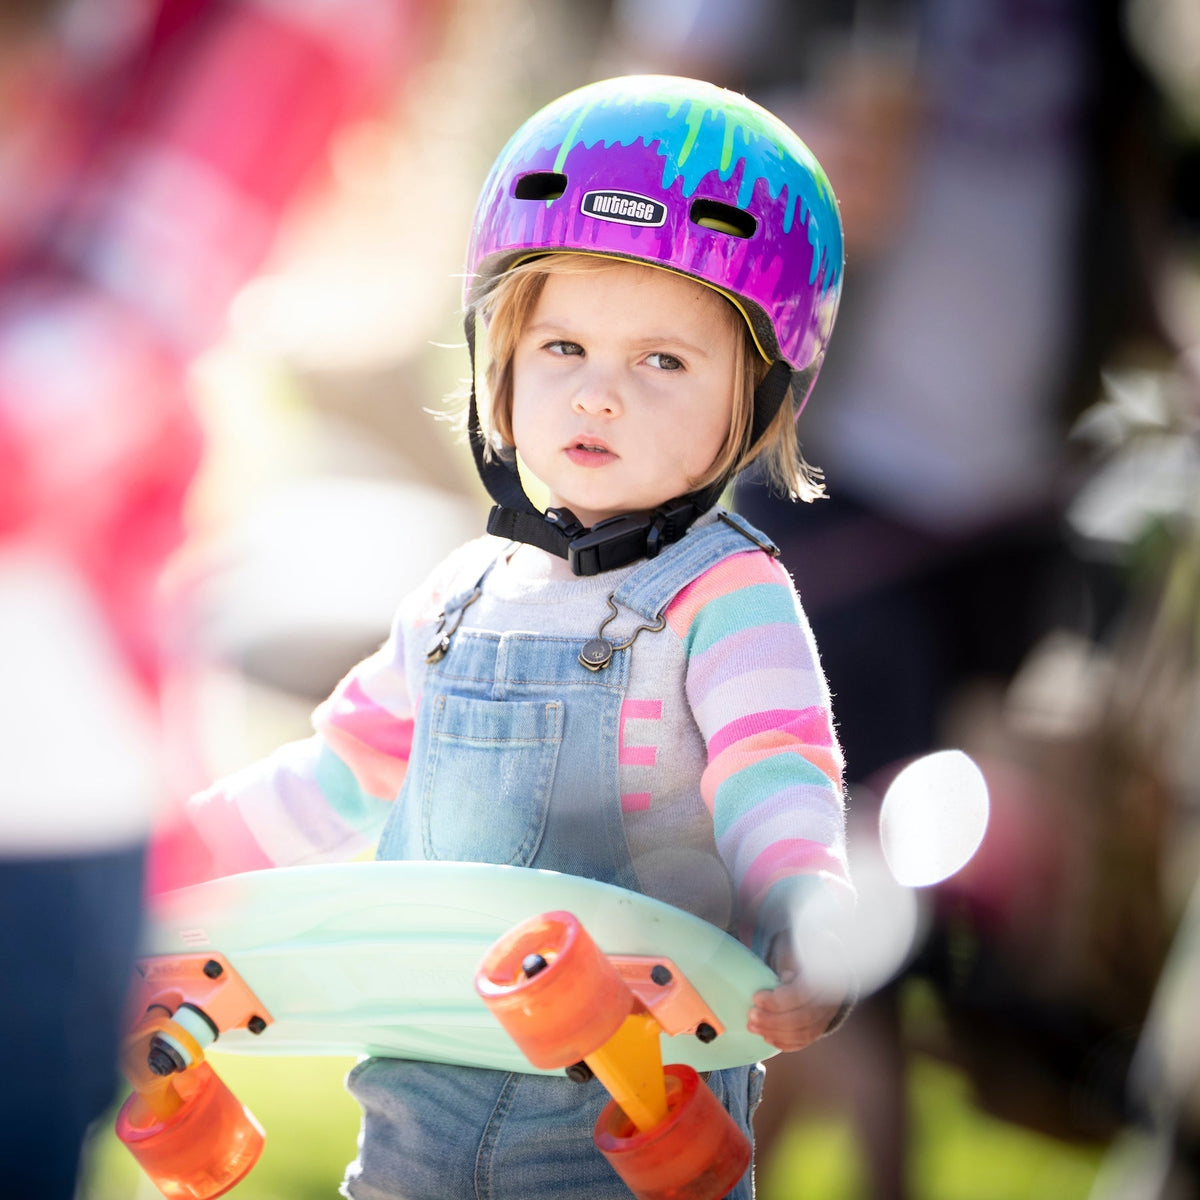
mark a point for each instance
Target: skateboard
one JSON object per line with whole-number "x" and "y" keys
{"x": 473, "y": 964}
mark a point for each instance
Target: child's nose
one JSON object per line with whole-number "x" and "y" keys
{"x": 597, "y": 393}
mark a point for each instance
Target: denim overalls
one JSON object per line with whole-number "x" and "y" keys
{"x": 514, "y": 761}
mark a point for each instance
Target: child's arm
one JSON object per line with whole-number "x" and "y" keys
{"x": 773, "y": 782}
{"x": 326, "y": 798}
{"x": 323, "y": 799}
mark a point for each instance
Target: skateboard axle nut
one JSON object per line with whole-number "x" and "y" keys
{"x": 580, "y": 1072}
{"x": 661, "y": 975}
{"x": 256, "y": 1025}
{"x": 213, "y": 969}
{"x": 706, "y": 1033}
{"x": 533, "y": 964}
{"x": 163, "y": 1059}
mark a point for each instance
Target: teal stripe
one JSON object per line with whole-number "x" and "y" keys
{"x": 757, "y": 604}
{"x": 749, "y": 787}
{"x": 338, "y": 785}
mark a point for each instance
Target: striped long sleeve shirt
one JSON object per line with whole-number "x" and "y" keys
{"x": 728, "y": 765}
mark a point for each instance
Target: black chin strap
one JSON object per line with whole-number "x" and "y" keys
{"x": 617, "y": 541}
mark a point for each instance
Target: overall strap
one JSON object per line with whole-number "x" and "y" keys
{"x": 468, "y": 577}
{"x": 652, "y": 586}
{"x": 461, "y": 594}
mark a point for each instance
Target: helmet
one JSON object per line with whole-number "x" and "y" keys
{"x": 674, "y": 173}
{"x": 677, "y": 173}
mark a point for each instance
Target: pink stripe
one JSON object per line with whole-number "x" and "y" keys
{"x": 222, "y": 827}
{"x": 809, "y": 726}
{"x": 638, "y": 710}
{"x": 638, "y": 756}
{"x": 796, "y": 856}
{"x": 635, "y": 802}
{"x": 378, "y": 774}
{"x": 355, "y": 713}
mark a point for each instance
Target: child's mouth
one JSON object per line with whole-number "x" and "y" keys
{"x": 591, "y": 454}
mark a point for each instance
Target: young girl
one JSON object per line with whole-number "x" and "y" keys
{"x": 623, "y": 686}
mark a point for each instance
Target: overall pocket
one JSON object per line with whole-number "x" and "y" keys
{"x": 488, "y": 778}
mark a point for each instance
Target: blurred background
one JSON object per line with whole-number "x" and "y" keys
{"x": 231, "y": 238}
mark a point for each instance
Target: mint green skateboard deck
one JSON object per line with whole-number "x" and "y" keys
{"x": 380, "y": 957}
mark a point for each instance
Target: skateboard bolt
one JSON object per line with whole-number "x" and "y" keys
{"x": 163, "y": 1059}
{"x": 579, "y": 1072}
{"x": 213, "y": 969}
{"x": 661, "y": 975}
{"x": 256, "y": 1025}
{"x": 532, "y": 964}
{"x": 706, "y": 1033}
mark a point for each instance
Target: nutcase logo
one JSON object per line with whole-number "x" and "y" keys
{"x": 626, "y": 207}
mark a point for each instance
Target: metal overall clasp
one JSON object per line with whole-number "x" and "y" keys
{"x": 442, "y": 635}
{"x": 598, "y": 653}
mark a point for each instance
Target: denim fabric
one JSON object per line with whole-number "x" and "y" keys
{"x": 514, "y": 761}
{"x": 515, "y": 1137}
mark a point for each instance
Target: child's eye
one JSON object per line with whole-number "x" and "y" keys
{"x": 664, "y": 362}
{"x": 566, "y": 349}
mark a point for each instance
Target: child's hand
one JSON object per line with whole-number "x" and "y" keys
{"x": 792, "y": 1016}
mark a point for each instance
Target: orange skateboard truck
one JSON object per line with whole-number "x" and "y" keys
{"x": 568, "y": 1005}
{"x": 194, "y": 1139}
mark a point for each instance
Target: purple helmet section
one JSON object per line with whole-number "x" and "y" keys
{"x": 673, "y": 142}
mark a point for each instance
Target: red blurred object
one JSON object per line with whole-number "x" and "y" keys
{"x": 153, "y": 166}
{"x": 159, "y": 168}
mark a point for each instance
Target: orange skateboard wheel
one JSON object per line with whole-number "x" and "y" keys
{"x": 552, "y": 989}
{"x": 203, "y": 1148}
{"x": 697, "y": 1153}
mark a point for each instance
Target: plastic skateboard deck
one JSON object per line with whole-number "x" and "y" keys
{"x": 380, "y": 957}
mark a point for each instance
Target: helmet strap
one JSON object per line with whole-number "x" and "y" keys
{"x": 768, "y": 396}
{"x": 619, "y": 540}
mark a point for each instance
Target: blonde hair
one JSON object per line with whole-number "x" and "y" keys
{"x": 506, "y": 308}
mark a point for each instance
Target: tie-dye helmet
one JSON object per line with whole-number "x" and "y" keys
{"x": 682, "y": 174}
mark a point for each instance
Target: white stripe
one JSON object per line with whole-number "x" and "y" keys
{"x": 772, "y": 688}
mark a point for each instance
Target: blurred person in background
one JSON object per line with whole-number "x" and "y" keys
{"x": 148, "y": 150}
{"x": 1143, "y": 503}
{"x": 1000, "y": 172}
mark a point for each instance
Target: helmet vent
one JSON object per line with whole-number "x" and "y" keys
{"x": 724, "y": 218}
{"x": 540, "y": 185}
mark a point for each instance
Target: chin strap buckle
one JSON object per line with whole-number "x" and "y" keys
{"x": 615, "y": 542}
{"x": 621, "y": 540}
{"x": 608, "y": 544}
{"x": 565, "y": 520}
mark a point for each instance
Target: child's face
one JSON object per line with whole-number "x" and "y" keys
{"x": 623, "y": 386}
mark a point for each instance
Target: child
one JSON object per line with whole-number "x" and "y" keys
{"x": 623, "y": 687}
